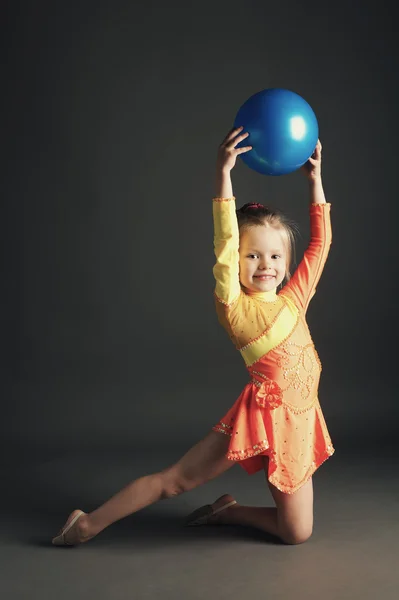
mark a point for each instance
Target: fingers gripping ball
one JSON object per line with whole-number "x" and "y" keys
{"x": 283, "y": 131}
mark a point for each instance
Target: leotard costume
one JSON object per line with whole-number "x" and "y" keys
{"x": 278, "y": 413}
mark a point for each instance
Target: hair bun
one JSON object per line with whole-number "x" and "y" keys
{"x": 252, "y": 205}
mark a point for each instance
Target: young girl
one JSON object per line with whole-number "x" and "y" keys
{"x": 276, "y": 424}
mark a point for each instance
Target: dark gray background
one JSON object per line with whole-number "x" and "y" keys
{"x": 113, "y": 117}
{"x": 112, "y": 114}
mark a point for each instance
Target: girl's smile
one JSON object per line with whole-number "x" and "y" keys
{"x": 264, "y": 277}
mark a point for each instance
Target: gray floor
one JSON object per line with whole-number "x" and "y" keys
{"x": 352, "y": 554}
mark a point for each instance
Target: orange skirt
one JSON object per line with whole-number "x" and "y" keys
{"x": 296, "y": 441}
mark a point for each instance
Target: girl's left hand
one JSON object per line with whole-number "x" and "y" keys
{"x": 312, "y": 168}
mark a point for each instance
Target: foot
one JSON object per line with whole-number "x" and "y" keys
{"x": 77, "y": 534}
{"x": 222, "y": 516}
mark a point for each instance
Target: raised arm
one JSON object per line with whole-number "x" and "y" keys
{"x": 226, "y": 236}
{"x": 226, "y": 244}
{"x": 302, "y": 285}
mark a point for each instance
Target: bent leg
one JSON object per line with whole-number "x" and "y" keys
{"x": 202, "y": 462}
{"x": 294, "y": 513}
{"x": 291, "y": 519}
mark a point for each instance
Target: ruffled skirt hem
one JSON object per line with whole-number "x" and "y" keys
{"x": 250, "y": 460}
{"x": 277, "y": 434}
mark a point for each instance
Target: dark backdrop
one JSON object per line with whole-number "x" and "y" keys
{"x": 112, "y": 114}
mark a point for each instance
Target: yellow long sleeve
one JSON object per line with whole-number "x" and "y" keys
{"x": 226, "y": 245}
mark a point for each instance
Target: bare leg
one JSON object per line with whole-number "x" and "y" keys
{"x": 202, "y": 462}
{"x": 291, "y": 519}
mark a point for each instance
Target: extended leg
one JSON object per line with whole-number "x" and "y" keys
{"x": 202, "y": 462}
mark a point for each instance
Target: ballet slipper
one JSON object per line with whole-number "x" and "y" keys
{"x": 60, "y": 540}
{"x": 202, "y": 515}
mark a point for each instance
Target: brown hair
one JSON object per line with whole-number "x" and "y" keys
{"x": 252, "y": 215}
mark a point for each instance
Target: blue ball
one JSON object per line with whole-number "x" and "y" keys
{"x": 283, "y": 131}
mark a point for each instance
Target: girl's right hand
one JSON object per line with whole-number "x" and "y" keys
{"x": 227, "y": 153}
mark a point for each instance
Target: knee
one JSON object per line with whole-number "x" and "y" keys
{"x": 173, "y": 484}
{"x": 297, "y": 535}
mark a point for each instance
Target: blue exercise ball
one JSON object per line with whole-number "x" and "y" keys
{"x": 283, "y": 131}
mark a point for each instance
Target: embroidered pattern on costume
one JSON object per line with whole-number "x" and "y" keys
{"x": 270, "y": 395}
{"x": 300, "y": 374}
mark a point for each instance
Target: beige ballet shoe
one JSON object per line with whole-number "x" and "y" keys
{"x": 59, "y": 540}
{"x": 202, "y": 515}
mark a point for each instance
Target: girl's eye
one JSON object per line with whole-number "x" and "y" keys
{"x": 256, "y": 256}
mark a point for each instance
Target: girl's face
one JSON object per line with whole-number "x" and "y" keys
{"x": 263, "y": 258}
